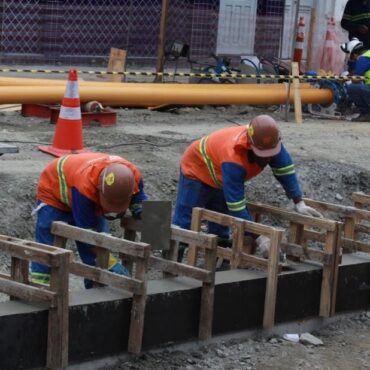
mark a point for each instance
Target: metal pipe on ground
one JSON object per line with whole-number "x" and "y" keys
{"x": 149, "y": 95}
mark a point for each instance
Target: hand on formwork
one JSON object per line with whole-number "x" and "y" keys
{"x": 303, "y": 209}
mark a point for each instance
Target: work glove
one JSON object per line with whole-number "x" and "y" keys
{"x": 263, "y": 246}
{"x": 116, "y": 267}
{"x": 303, "y": 209}
{"x": 136, "y": 210}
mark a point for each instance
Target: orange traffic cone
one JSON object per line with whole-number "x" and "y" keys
{"x": 327, "y": 63}
{"x": 299, "y": 41}
{"x": 68, "y": 138}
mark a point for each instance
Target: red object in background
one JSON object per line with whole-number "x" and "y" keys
{"x": 298, "y": 50}
{"x": 328, "y": 59}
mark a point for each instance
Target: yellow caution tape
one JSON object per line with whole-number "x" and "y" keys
{"x": 192, "y": 74}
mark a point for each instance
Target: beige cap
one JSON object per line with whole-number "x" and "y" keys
{"x": 264, "y": 136}
{"x": 116, "y": 185}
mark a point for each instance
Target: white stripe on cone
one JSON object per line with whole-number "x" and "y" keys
{"x": 299, "y": 45}
{"x": 70, "y": 113}
{"x": 72, "y": 90}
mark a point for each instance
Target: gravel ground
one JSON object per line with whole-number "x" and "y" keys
{"x": 332, "y": 162}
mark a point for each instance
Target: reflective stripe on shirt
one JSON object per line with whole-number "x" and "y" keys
{"x": 283, "y": 171}
{"x": 62, "y": 180}
{"x": 207, "y": 161}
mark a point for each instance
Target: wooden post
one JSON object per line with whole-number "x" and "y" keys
{"x": 272, "y": 280}
{"x": 327, "y": 276}
{"x": 335, "y": 267}
{"x": 297, "y": 93}
{"x": 171, "y": 255}
{"x": 138, "y": 307}
{"x": 196, "y": 221}
{"x": 126, "y": 260}
{"x": 238, "y": 243}
{"x": 162, "y": 40}
{"x": 208, "y": 293}
{"x": 57, "y": 352}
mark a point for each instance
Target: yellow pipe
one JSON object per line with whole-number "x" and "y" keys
{"x": 149, "y": 95}
{"x": 17, "y": 81}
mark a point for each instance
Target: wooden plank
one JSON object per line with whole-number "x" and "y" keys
{"x": 176, "y": 268}
{"x": 106, "y": 277}
{"x": 138, "y": 307}
{"x": 128, "y": 261}
{"x": 208, "y": 293}
{"x": 337, "y": 258}
{"x": 170, "y": 255}
{"x": 196, "y": 221}
{"x": 292, "y": 216}
{"x": 342, "y": 211}
{"x": 327, "y": 277}
{"x": 29, "y": 253}
{"x": 296, "y": 233}
{"x": 116, "y": 63}
{"x": 297, "y": 93}
{"x": 354, "y": 245}
{"x": 238, "y": 242}
{"x": 192, "y": 237}
{"x": 253, "y": 261}
{"x": 27, "y": 293}
{"x": 48, "y": 249}
{"x": 295, "y": 250}
{"x": 58, "y": 320}
{"x": 19, "y": 270}
{"x": 101, "y": 240}
{"x": 360, "y": 228}
{"x": 272, "y": 280}
{"x": 361, "y": 198}
{"x": 313, "y": 235}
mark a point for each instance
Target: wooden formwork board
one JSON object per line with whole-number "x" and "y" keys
{"x": 104, "y": 244}
{"x": 296, "y": 247}
{"x": 54, "y": 296}
{"x": 171, "y": 268}
{"x": 352, "y": 218}
{"x": 240, "y": 256}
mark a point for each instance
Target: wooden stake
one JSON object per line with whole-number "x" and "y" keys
{"x": 117, "y": 63}
{"x": 297, "y": 94}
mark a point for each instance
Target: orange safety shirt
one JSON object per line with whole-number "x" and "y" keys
{"x": 80, "y": 171}
{"x": 203, "y": 159}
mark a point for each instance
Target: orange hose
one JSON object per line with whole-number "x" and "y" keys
{"x": 149, "y": 95}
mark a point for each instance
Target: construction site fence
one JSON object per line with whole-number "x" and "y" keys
{"x": 76, "y": 32}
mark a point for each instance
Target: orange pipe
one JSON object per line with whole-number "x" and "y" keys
{"x": 149, "y": 95}
{"x": 16, "y": 81}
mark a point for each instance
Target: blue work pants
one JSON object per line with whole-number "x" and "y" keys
{"x": 192, "y": 193}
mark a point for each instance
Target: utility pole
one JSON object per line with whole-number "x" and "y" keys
{"x": 162, "y": 40}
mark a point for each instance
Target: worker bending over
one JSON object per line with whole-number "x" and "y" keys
{"x": 86, "y": 190}
{"x": 359, "y": 91}
{"x": 214, "y": 169}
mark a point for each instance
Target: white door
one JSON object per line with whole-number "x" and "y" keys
{"x": 236, "y": 27}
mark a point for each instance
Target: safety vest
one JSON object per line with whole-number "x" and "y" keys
{"x": 80, "y": 171}
{"x": 203, "y": 159}
{"x": 367, "y": 73}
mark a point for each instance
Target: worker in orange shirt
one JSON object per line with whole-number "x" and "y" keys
{"x": 86, "y": 190}
{"x": 214, "y": 169}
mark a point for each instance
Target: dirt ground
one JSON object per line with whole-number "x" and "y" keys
{"x": 332, "y": 159}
